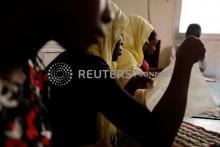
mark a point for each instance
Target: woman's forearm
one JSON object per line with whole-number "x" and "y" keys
{"x": 170, "y": 110}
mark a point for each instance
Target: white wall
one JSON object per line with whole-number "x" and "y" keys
{"x": 213, "y": 58}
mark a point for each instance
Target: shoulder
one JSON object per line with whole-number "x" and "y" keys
{"x": 98, "y": 62}
{"x": 79, "y": 60}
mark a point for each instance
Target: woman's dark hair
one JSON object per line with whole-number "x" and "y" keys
{"x": 152, "y": 36}
{"x": 194, "y": 30}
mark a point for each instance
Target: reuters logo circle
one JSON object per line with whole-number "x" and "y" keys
{"x": 60, "y": 74}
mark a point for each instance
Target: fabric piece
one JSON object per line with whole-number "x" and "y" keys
{"x": 135, "y": 36}
{"x": 199, "y": 96}
{"x": 128, "y": 64}
{"x": 189, "y": 135}
{"x": 23, "y": 114}
{"x": 192, "y": 135}
{"x": 145, "y": 66}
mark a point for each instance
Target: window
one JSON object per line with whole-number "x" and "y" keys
{"x": 204, "y": 12}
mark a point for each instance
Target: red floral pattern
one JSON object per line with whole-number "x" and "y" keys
{"x": 23, "y": 125}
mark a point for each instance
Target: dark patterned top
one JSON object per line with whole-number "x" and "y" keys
{"x": 23, "y": 120}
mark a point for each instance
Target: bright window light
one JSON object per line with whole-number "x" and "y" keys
{"x": 204, "y": 12}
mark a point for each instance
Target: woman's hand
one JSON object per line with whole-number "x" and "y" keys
{"x": 138, "y": 82}
{"x": 191, "y": 50}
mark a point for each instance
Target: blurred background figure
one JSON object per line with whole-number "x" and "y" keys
{"x": 192, "y": 30}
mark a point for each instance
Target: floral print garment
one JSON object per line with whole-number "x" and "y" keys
{"x": 23, "y": 120}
